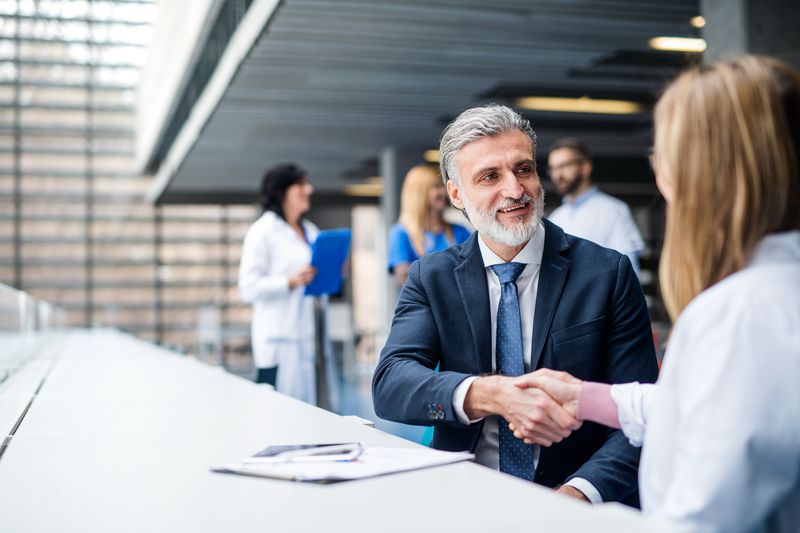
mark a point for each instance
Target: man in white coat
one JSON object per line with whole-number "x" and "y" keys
{"x": 586, "y": 211}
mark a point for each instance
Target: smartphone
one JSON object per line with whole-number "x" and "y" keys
{"x": 344, "y": 451}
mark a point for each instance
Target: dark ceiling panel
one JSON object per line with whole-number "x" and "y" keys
{"x": 330, "y": 83}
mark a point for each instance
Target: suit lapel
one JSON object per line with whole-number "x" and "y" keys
{"x": 552, "y": 275}
{"x": 470, "y": 277}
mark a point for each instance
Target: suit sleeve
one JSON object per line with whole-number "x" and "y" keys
{"x": 630, "y": 356}
{"x": 406, "y": 386}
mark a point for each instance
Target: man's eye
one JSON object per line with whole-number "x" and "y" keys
{"x": 488, "y": 177}
{"x": 524, "y": 170}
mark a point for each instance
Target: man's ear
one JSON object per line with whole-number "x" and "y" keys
{"x": 454, "y": 191}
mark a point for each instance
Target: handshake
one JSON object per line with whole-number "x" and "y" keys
{"x": 540, "y": 407}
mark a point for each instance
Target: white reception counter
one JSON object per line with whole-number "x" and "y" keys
{"x": 119, "y": 436}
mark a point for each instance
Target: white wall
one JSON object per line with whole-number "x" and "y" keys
{"x": 178, "y": 30}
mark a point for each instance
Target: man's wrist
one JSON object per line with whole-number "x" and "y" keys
{"x": 571, "y": 491}
{"x": 480, "y": 400}
{"x": 587, "y": 490}
{"x": 459, "y": 394}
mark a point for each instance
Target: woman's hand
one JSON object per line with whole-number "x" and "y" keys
{"x": 302, "y": 277}
{"x": 561, "y": 386}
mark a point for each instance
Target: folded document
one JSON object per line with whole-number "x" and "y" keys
{"x": 370, "y": 463}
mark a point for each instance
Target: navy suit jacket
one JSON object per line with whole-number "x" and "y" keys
{"x": 590, "y": 320}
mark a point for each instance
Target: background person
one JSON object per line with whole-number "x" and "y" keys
{"x": 586, "y": 211}
{"x": 721, "y": 429}
{"x": 273, "y": 273}
{"x": 421, "y": 228}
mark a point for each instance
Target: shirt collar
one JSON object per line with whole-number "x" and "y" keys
{"x": 530, "y": 254}
{"x": 777, "y": 248}
{"x": 582, "y": 198}
{"x": 284, "y": 226}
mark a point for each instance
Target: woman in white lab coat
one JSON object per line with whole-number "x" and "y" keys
{"x": 721, "y": 429}
{"x": 273, "y": 273}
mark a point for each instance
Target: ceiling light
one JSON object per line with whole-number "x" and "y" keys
{"x": 698, "y": 22}
{"x": 583, "y": 104}
{"x": 364, "y": 189}
{"x": 431, "y": 156}
{"x": 678, "y": 44}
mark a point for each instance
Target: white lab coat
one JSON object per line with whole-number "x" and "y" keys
{"x": 282, "y": 331}
{"x": 721, "y": 429}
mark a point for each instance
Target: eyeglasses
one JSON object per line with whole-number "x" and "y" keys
{"x": 563, "y": 165}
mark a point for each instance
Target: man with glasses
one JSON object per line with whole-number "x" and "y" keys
{"x": 585, "y": 211}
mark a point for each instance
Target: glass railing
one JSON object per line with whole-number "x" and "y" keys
{"x": 26, "y": 326}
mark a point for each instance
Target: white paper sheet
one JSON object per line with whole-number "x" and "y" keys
{"x": 373, "y": 462}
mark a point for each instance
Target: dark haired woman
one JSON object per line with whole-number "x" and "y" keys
{"x": 273, "y": 273}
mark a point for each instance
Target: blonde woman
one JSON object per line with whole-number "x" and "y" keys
{"x": 421, "y": 228}
{"x": 721, "y": 429}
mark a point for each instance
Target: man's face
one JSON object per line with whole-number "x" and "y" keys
{"x": 499, "y": 188}
{"x": 437, "y": 197}
{"x": 567, "y": 170}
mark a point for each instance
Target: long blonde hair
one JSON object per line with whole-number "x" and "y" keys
{"x": 414, "y": 211}
{"x": 727, "y": 136}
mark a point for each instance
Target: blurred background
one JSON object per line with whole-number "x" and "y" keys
{"x": 133, "y": 136}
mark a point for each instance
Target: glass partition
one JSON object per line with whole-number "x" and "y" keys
{"x": 26, "y": 325}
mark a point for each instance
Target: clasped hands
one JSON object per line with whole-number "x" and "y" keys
{"x": 541, "y": 407}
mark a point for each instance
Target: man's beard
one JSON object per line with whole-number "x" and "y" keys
{"x": 572, "y": 186}
{"x": 515, "y": 235}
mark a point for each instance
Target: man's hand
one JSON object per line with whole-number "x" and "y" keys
{"x": 559, "y": 386}
{"x": 540, "y": 418}
{"x": 569, "y": 490}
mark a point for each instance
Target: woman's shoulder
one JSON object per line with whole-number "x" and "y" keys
{"x": 762, "y": 300}
{"x": 398, "y": 228}
{"x": 398, "y": 233}
{"x": 264, "y": 224}
{"x": 268, "y": 219}
{"x": 751, "y": 286}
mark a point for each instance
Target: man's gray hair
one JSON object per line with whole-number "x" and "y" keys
{"x": 474, "y": 124}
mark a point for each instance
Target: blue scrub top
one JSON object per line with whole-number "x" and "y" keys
{"x": 401, "y": 251}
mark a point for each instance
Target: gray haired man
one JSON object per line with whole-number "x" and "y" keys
{"x": 519, "y": 296}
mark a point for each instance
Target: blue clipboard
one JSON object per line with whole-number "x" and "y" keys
{"x": 328, "y": 254}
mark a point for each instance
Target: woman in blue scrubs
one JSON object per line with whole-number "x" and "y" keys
{"x": 421, "y": 228}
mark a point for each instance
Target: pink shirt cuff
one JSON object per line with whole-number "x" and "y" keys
{"x": 595, "y": 404}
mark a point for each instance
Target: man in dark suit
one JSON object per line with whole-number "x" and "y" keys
{"x": 519, "y": 296}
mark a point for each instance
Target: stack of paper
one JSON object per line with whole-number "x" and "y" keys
{"x": 372, "y": 462}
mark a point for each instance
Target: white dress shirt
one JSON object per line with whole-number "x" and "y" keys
{"x": 487, "y": 451}
{"x": 721, "y": 428}
{"x": 602, "y": 219}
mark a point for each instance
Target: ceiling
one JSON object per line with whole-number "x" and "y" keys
{"x": 330, "y": 83}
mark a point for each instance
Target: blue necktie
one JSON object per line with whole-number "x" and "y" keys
{"x": 516, "y": 457}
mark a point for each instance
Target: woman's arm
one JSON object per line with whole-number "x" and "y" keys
{"x": 256, "y": 279}
{"x": 401, "y": 254}
{"x": 617, "y": 406}
{"x": 400, "y": 274}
